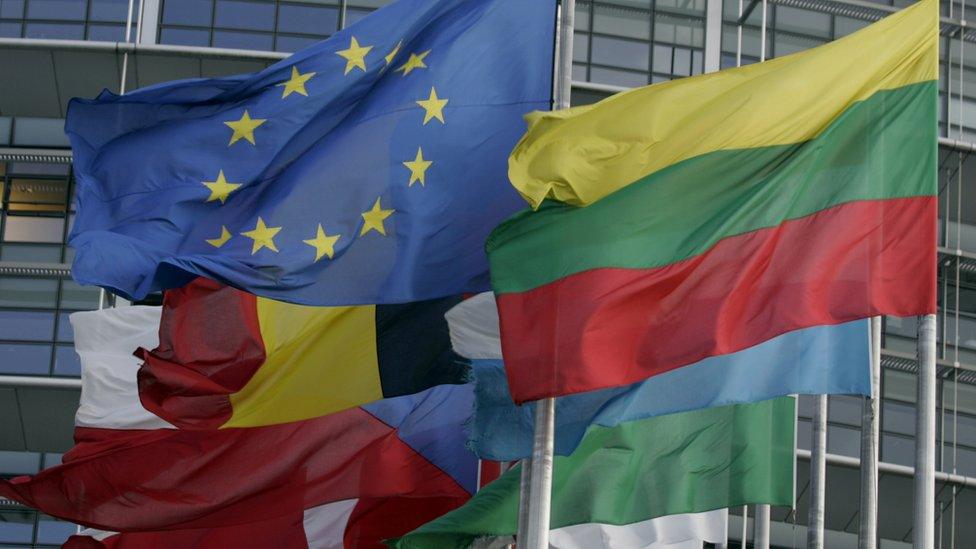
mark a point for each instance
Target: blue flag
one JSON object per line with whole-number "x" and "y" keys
{"x": 368, "y": 168}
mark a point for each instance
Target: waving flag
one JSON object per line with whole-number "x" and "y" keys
{"x": 229, "y": 359}
{"x": 171, "y": 479}
{"x": 817, "y": 360}
{"x": 723, "y": 210}
{"x": 623, "y": 477}
{"x": 368, "y": 168}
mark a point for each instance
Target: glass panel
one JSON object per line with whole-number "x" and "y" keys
{"x": 9, "y": 30}
{"x": 38, "y": 195}
{"x": 316, "y": 20}
{"x": 77, "y": 297}
{"x": 28, "y": 292}
{"x": 899, "y": 385}
{"x": 52, "y": 530}
{"x": 39, "y": 168}
{"x": 678, "y": 30}
{"x": 6, "y": 123}
{"x": 65, "y": 332}
{"x": 235, "y": 14}
{"x": 633, "y": 23}
{"x": 187, "y": 12}
{"x": 620, "y": 53}
{"x": 897, "y": 450}
{"x": 788, "y": 43}
{"x": 107, "y": 33}
{"x": 804, "y": 434}
{"x": 33, "y": 229}
{"x": 185, "y": 37}
{"x": 802, "y": 21}
{"x": 582, "y": 21}
{"x": 113, "y": 10}
{"x": 19, "y": 463}
{"x": 579, "y": 73}
{"x": 581, "y": 44}
{"x": 26, "y": 325}
{"x": 898, "y": 418}
{"x": 966, "y": 464}
{"x": 682, "y": 62}
{"x": 66, "y": 361}
{"x": 58, "y": 31}
{"x": 25, "y": 358}
{"x": 45, "y": 132}
{"x": 293, "y": 43}
{"x": 662, "y": 58}
{"x": 13, "y": 9}
{"x": 618, "y": 78}
{"x": 353, "y": 15}
{"x": 967, "y": 398}
{"x": 843, "y": 441}
{"x": 30, "y": 254}
{"x": 844, "y": 409}
{"x": 846, "y": 25}
{"x": 242, "y": 40}
{"x": 16, "y": 526}
{"x": 71, "y": 10}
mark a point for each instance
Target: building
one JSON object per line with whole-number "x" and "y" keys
{"x": 52, "y": 50}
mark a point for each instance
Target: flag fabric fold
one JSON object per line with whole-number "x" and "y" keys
{"x": 723, "y": 210}
{"x": 817, "y": 360}
{"x": 332, "y": 177}
{"x": 163, "y": 478}
{"x": 637, "y": 471}
{"x": 227, "y": 358}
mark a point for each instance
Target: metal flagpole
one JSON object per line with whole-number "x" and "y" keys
{"x": 540, "y": 475}
{"x": 868, "y": 528}
{"x": 524, "y": 488}
{"x": 818, "y": 474}
{"x": 761, "y": 534}
{"x": 924, "y": 525}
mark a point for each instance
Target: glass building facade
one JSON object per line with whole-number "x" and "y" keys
{"x": 618, "y": 44}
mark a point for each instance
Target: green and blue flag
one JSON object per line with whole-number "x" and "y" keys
{"x": 368, "y": 168}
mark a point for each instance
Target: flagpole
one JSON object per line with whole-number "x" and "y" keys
{"x": 818, "y": 474}
{"x": 868, "y": 527}
{"x": 924, "y": 524}
{"x": 540, "y": 475}
{"x": 761, "y": 535}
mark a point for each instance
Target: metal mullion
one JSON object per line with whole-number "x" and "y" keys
{"x": 651, "y": 22}
{"x": 589, "y": 43}
{"x": 213, "y": 21}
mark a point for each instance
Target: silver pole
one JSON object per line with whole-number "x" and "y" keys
{"x": 923, "y": 533}
{"x": 125, "y": 55}
{"x": 524, "y": 487}
{"x": 745, "y": 526}
{"x": 762, "y": 34}
{"x": 868, "y": 528}
{"x": 761, "y": 534}
{"x": 540, "y": 481}
{"x": 818, "y": 474}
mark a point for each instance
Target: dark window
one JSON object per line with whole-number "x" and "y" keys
{"x": 27, "y": 325}
{"x": 317, "y": 20}
{"x": 66, "y": 362}
{"x": 13, "y": 9}
{"x": 293, "y": 43}
{"x": 108, "y": 33}
{"x": 113, "y": 10}
{"x": 620, "y": 53}
{"x": 187, "y": 12}
{"x": 242, "y": 40}
{"x": 72, "y": 10}
{"x": 236, "y": 14}
{"x": 10, "y": 30}
{"x": 61, "y": 31}
{"x": 185, "y": 37}
{"x": 25, "y": 358}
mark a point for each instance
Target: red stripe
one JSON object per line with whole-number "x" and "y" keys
{"x": 611, "y": 327}
{"x": 374, "y": 520}
{"x": 489, "y": 471}
{"x": 210, "y": 346}
{"x": 171, "y": 479}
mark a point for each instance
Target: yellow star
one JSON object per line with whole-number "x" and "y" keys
{"x": 296, "y": 84}
{"x": 392, "y": 55}
{"x": 220, "y": 189}
{"x": 414, "y": 62}
{"x": 355, "y": 56}
{"x": 220, "y": 240}
{"x": 323, "y": 243}
{"x": 263, "y": 236}
{"x": 433, "y": 107}
{"x": 373, "y": 219}
{"x": 418, "y": 167}
{"x": 244, "y": 128}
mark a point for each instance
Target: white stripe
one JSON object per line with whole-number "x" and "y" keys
{"x": 105, "y": 341}
{"x": 474, "y": 327}
{"x": 96, "y": 534}
{"x": 671, "y": 532}
{"x": 325, "y": 525}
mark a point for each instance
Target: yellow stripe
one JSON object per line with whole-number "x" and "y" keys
{"x": 320, "y": 360}
{"x": 582, "y": 154}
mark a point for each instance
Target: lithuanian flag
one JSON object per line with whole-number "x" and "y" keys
{"x": 227, "y": 358}
{"x": 702, "y": 216}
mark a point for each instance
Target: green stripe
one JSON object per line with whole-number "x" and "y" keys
{"x": 882, "y": 147}
{"x": 680, "y": 463}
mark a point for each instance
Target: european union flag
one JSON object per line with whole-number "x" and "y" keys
{"x": 368, "y": 168}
